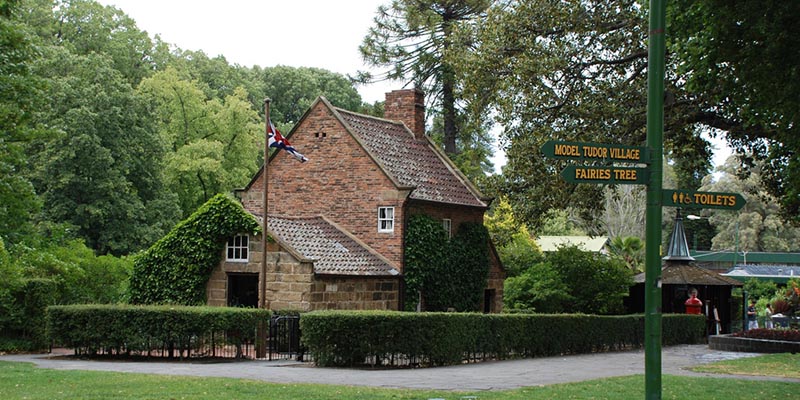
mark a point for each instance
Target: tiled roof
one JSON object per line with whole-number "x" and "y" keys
{"x": 783, "y": 271}
{"x": 409, "y": 161}
{"x": 334, "y": 251}
{"x": 678, "y": 273}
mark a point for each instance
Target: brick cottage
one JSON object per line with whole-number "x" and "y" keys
{"x": 338, "y": 220}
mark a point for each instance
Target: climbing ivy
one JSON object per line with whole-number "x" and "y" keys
{"x": 450, "y": 273}
{"x": 176, "y": 269}
{"x": 425, "y": 256}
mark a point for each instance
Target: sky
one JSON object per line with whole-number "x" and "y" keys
{"x": 299, "y": 33}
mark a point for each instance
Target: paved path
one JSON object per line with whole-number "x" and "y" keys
{"x": 481, "y": 376}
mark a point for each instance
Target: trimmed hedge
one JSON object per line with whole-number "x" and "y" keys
{"x": 349, "y": 338}
{"x": 90, "y": 329}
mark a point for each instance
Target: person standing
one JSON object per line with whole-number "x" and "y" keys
{"x": 752, "y": 322}
{"x": 768, "y": 317}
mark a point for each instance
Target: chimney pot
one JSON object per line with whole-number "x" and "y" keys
{"x": 407, "y": 106}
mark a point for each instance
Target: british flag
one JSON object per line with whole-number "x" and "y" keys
{"x": 277, "y": 141}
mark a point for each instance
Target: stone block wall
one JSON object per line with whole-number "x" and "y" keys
{"x": 355, "y": 293}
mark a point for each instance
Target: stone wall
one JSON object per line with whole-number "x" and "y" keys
{"x": 355, "y": 293}
{"x": 291, "y": 284}
{"x": 747, "y": 345}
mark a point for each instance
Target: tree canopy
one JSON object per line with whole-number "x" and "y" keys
{"x": 414, "y": 40}
{"x": 575, "y": 71}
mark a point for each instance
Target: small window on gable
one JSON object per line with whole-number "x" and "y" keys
{"x": 385, "y": 219}
{"x": 447, "y": 225}
{"x": 237, "y": 248}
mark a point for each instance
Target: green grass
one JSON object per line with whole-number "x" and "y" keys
{"x": 783, "y": 365}
{"x": 25, "y": 381}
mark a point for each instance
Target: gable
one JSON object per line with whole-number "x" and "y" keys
{"x": 412, "y": 162}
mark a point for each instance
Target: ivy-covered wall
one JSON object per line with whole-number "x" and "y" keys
{"x": 175, "y": 269}
{"x": 450, "y": 273}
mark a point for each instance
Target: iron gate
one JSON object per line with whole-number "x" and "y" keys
{"x": 284, "y": 338}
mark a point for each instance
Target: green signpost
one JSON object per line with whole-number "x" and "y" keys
{"x": 652, "y": 154}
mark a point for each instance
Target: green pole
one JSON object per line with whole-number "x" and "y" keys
{"x": 655, "y": 141}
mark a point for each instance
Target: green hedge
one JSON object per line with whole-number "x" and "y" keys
{"x": 22, "y": 315}
{"x": 90, "y": 329}
{"x": 348, "y": 338}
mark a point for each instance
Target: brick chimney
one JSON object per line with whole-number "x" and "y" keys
{"x": 407, "y": 106}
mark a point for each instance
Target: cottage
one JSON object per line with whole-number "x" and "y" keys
{"x": 338, "y": 221}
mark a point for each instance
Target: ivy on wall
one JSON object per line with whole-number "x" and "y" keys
{"x": 449, "y": 273}
{"x": 175, "y": 269}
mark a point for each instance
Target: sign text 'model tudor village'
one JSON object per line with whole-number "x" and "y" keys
{"x": 597, "y": 152}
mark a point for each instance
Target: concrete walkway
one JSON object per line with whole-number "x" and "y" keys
{"x": 493, "y": 375}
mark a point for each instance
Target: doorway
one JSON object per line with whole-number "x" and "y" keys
{"x": 242, "y": 290}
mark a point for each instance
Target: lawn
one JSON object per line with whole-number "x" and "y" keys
{"x": 783, "y": 365}
{"x": 25, "y": 381}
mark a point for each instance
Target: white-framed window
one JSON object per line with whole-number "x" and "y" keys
{"x": 237, "y": 249}
{"x": 447, "y": 224}
{"x": 385, "y": 219}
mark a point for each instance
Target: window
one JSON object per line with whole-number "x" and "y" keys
{"x": 385, "y": 219}
{"x": 237, "y": 248}
{"x": 447, "y": 224}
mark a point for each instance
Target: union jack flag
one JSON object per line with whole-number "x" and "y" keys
{"x": 277, "y": 141}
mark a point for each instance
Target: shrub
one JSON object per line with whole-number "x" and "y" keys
{"x": 90, "y": 329}
{"x": 348, "y": 338}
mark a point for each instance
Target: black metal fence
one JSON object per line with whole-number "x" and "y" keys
{"x": 282, "y": 343}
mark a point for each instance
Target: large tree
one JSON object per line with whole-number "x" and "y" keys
{"x": 414, "y": 39}
{"x": 212, "y": 145}
{"x": 100, "y": 169}
{"x": 757, "y": 226}
{"x": 740, "y": 62}
{"x": 576, "y": 71}
{"x": 20, "y": 96}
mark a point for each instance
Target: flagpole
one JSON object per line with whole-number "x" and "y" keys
{"x": 265, "y": 181}
{"x": 261, "y": 347}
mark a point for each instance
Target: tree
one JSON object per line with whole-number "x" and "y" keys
{"x": 414, "y": 38}
{"x": 575, "y": 71}
{"x": 85, "y": 27}
{"x": 212, "y": 144}
{"x": 756, "y": 227}
{"x": 293, "y": 90}
{"x": 741, "y": 68}
{"x": 630, "y": 249}
{"x": 101, "y": 168}
{"x": 20, "y": 96}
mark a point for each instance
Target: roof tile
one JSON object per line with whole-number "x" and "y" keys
{"x": 334, "y": 251}
{"x": 410, "y": 161}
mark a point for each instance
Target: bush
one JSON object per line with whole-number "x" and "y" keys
{"x": 348, "y": 338}
{"x": 90, "y": 329}
{"x": 23, "y": 317}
